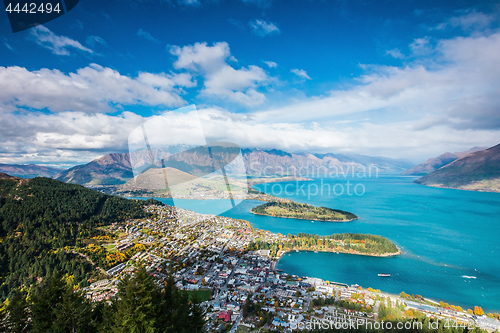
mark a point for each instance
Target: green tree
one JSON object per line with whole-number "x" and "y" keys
{"x": 17, "y": 319}
{"x": 382, "y": 310}
{"x": 197, "y": 321}
{"x": 74, "y": 313}
{"x": 46, "y": 302}
{"x": 135, "y": 308}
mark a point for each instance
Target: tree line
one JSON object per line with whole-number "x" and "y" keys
{"x": 363, "y": 243}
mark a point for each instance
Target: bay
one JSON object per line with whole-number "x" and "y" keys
{"x": 446, "y": 235}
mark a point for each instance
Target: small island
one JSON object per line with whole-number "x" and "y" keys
{"x": 295, "y": 210}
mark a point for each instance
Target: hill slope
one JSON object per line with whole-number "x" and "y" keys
{"x": 435, "y": 163}
{"x": 40, "y": 217}
{"x": 28, "y": 171}
{"x": 479, "y": 171}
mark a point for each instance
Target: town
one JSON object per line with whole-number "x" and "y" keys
{"x": 216, "y": 258}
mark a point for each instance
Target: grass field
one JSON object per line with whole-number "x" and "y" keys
{"x": 109, "y": 247}
{"x": 243, "y": 329}
{"x": 203, "y": 294}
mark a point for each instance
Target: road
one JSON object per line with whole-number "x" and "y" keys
{"x": 236, "y": 323}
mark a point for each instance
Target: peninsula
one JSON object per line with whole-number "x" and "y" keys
{"x": 295, "y": 210}
{"x": 361, "y": 244}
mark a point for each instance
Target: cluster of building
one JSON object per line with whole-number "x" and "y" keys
{"x": 206, "y": 252}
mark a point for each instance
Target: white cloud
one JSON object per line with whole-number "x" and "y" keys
{"x": 395, "y": 53}
{"x": 65, "y": 136}
{"x": 259, "y": 3}
{"x": 300, "y": 73}
{"x": 395, "y": 139}
{"x": 421, "y": 46}
{"x": 94, "y": 40}
{"x": 471, "y": 21}
{"x": 263, "y": 28}
{"x": 81, "y": 137}
{"x": 90, "y": 89}
{"x": 190, "y": 2}
{"x": 7, "y": 45}
{"x": 271, "y": 64}
{"x": 220, "y": 79}
{"x": 446, "y": 97}
{"x": 458, "y": 87}
{"x": 236, "y": 23}
{"x": 59, "y": 45}
{"x": 146, "y": 35}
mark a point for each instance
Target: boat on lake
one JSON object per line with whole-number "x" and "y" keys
{"x": 384, "y": 274}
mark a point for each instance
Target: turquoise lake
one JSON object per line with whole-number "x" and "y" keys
{"x": 445, "y": 235}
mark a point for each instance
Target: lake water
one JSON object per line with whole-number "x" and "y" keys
{"x": 444, "y": 235}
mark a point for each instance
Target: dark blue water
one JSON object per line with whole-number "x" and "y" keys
{"x": 444, "y": 235}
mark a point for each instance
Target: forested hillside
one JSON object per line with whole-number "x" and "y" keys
{"x": 142, "y": 306}
{"x": 41, "y": 219}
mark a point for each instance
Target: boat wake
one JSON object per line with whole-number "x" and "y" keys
{"x": 468, "y": 277}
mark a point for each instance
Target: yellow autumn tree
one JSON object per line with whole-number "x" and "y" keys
{"x": 478, "y": 311}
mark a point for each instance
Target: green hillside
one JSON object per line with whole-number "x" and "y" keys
{"x": 41, "y": 218}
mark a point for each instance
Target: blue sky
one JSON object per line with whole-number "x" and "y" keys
{"x": 403, "y": 79}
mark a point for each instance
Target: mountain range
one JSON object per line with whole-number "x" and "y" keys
{"x": 435, "y": 163}
{"x": 475, "y": 169}
{"x": 29, "y": 171}
{"x": 478, "y": 171}
{"x": 114, "y": 169}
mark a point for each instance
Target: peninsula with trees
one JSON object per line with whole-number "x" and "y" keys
{"x": 295, "y": 210}
{"x": 350, "y": 243}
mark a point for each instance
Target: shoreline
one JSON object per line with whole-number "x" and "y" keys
{"x": 277, "y": 180}
{"x": 385, "y": 255}
{"x": 296, "y": 218}
{"x": 394, "y": 295}
{"x": 460, "y": 188}
{"x": 257, "y": 195}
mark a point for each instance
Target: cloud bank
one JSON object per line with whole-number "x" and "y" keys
{"x": 444, "y": 97}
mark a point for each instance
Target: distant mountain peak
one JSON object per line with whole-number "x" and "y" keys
{"x": 436, "y": 163}
{"x": 29, "y": 170}
{"x": 111, "y": 158}
{"x": 479, "y": 170}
